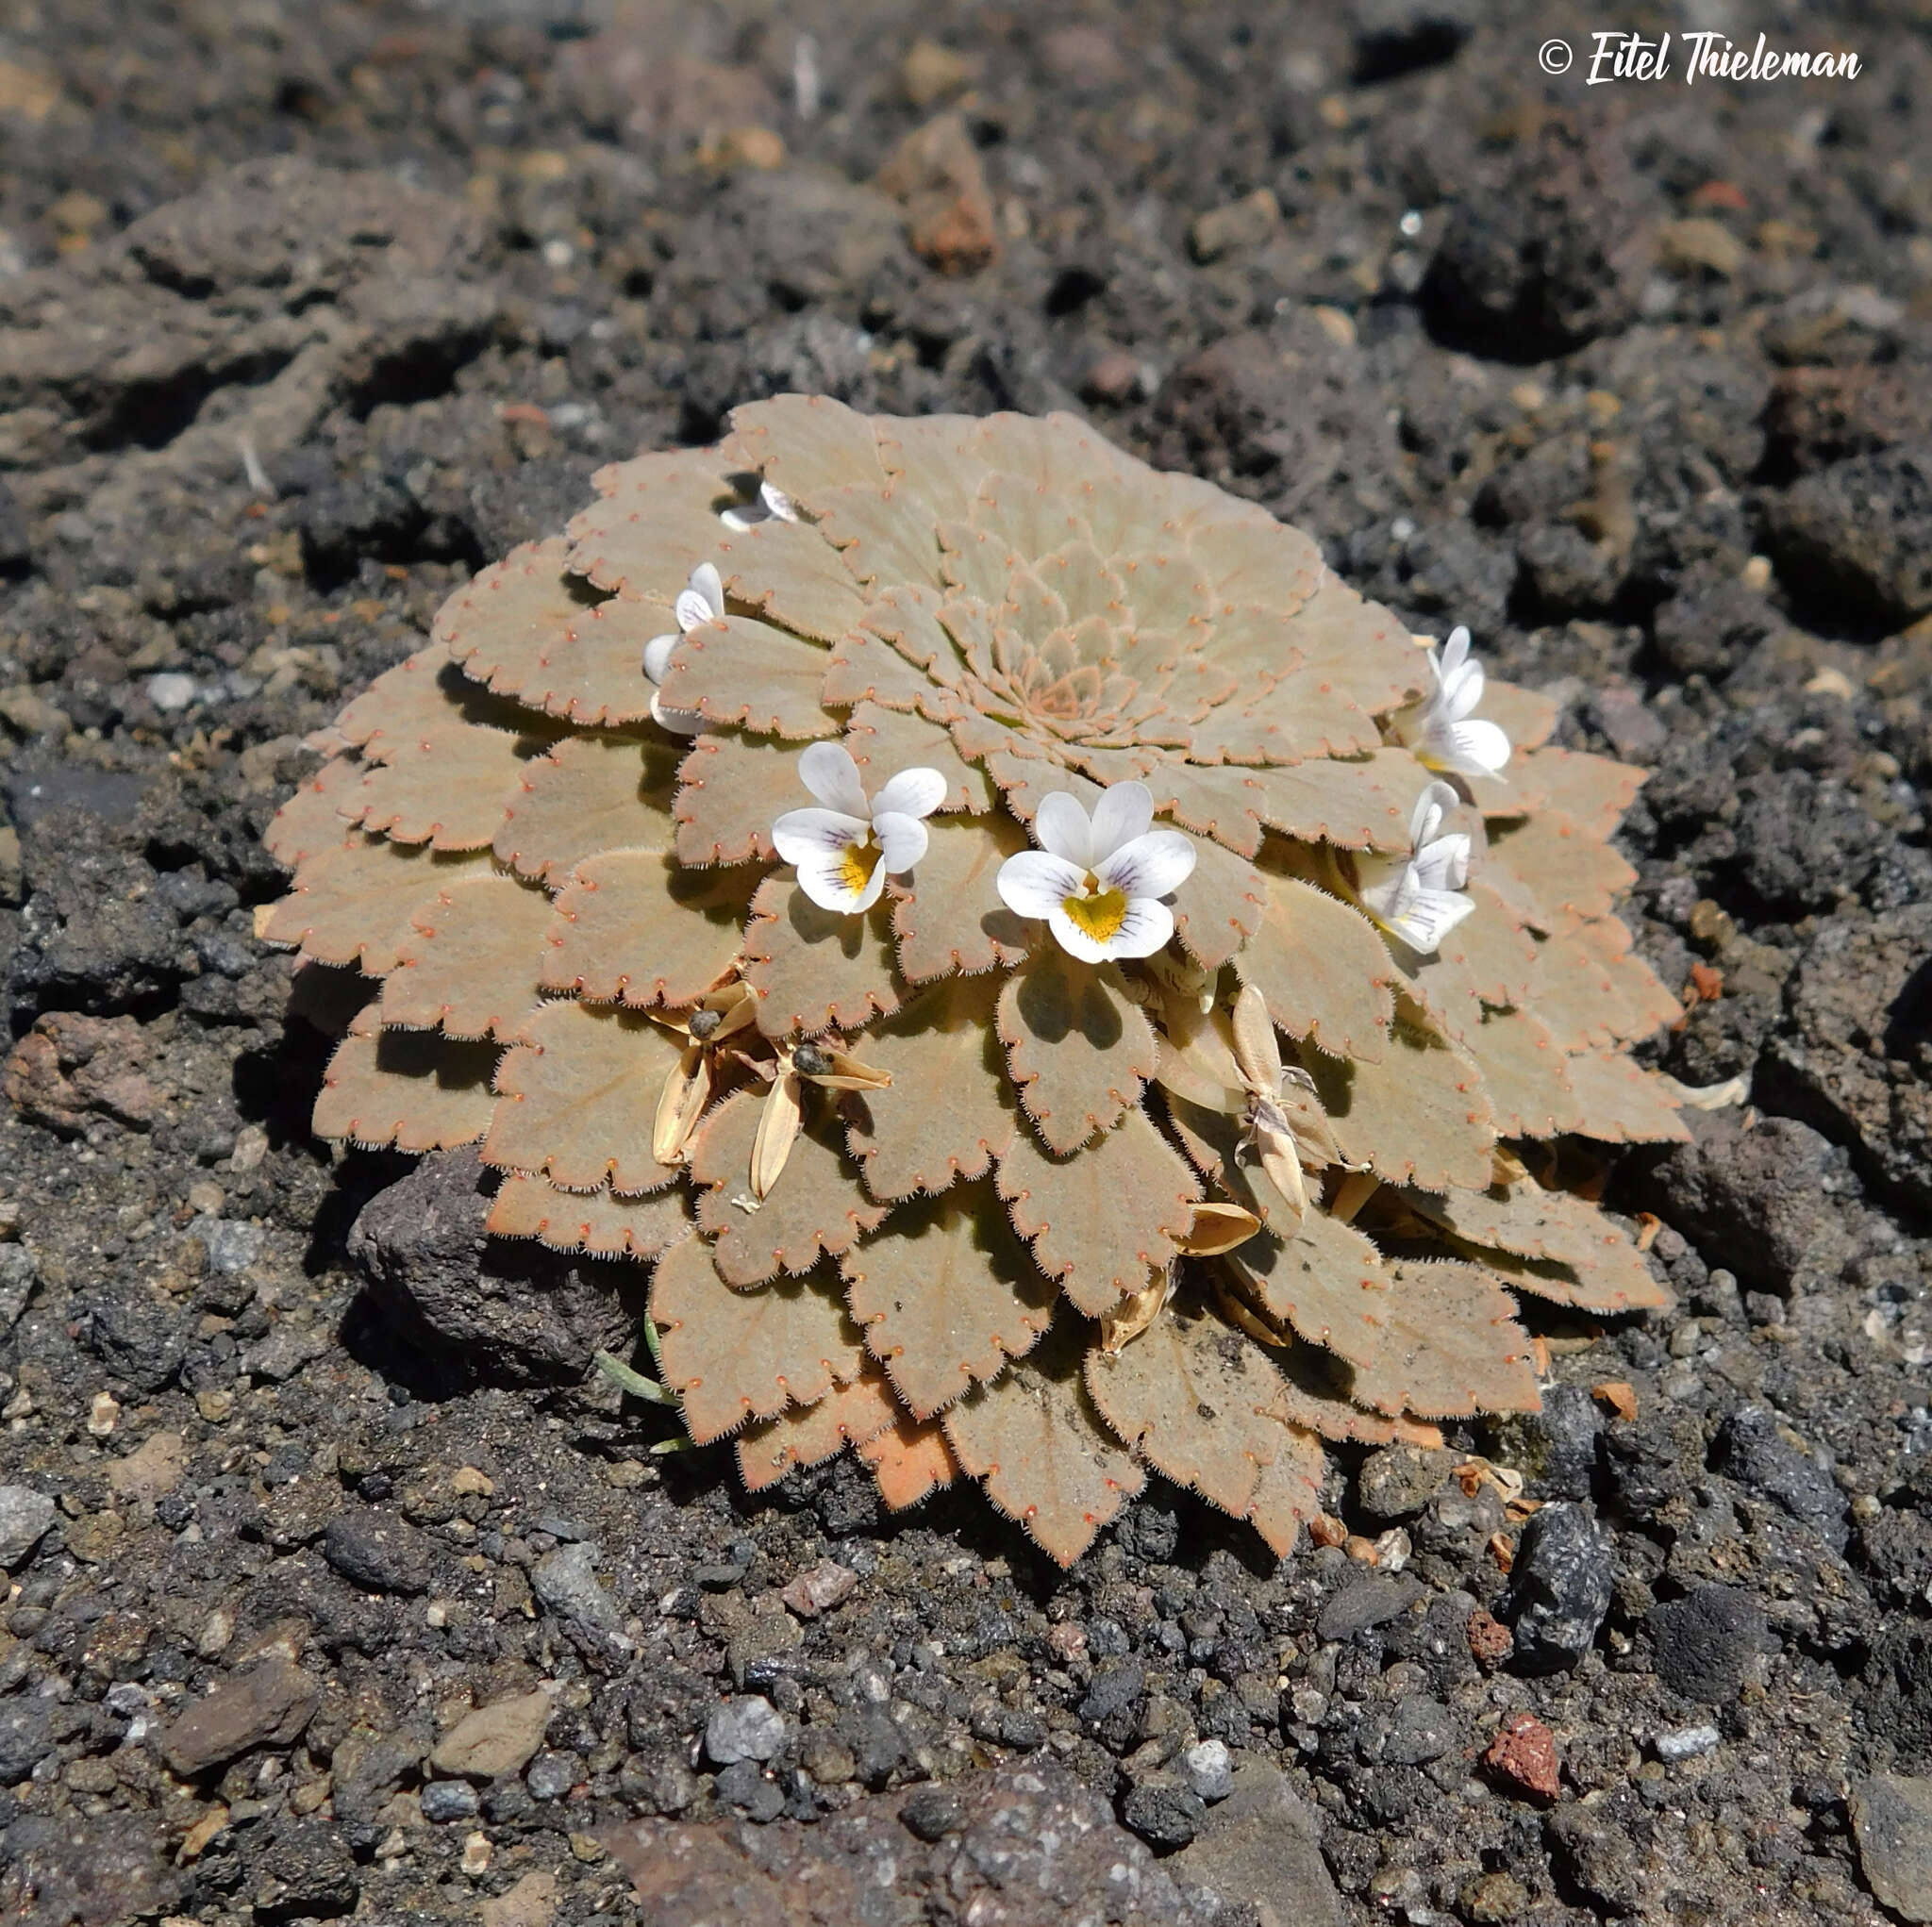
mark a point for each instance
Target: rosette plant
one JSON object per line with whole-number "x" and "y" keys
{"x": 1047, "y": 976}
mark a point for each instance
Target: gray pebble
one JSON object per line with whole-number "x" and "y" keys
{"x": 449, "y": 1800}
{"x": 1209, "y": 1768}
{"x": 26, "y": 1518}
{"x": 746, "y": 1728}
{"x": 1686, "y": 1742}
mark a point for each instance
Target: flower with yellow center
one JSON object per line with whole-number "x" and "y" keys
{"x": 845, "y": 852}
{"x": 1099, "y": 882}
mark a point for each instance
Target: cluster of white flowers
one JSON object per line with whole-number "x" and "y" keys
{"x": 1100, "y": 882}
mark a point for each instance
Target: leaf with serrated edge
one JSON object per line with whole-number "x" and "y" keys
{"x": 576, "y": 1099}
{"x": 1621, "y": 1102}
{"x": 1102, "y": 1221}
{"x": 947, "y": 1297}
{"x": 731, "y": 791}
{"x": 1555, "y": 1226}
{"x": 945, "y": 913}
{"x": 1324, "y": 1278}
{"x": 589, "y": 793}
{"x": 939, "y": 1043}
{"x": 733, "y": 1355}
{"x": 1590, "y": 792}
{"x": 1420, "y": 1114}
{"x": 808, "y": 1435}
{"x": 468, "y": 966}
{"x": 1497, "y": 954}
{"x": 1450, "y": 1345}
{"x": 1357, "y": 650}
{"x": 813, "y": 969}
{"x": 807, "y": 444}
{"x": 864, "y": 667}
{"x": 883, "y": 533}
{"x": 1362, "y": 803}
{"x": 1323, "y": 970}
{"x": 410, "y": 1088}
{"x": 746, "y": 672}
{"x": 655, "y": 520}
{"x": 312, "y": 819}
{"x": 910, "y": 1461}
{"x": 1222, "y": 802}
{"x": 1288, "y": 1492}
{"x": 792, "y": 574}
{"x": 1592, "y": 991}
{"x": 815, "y": 1208}
{"x": 595, "y": 1223}
{"x": 1032, "y": 1439}
{"x": 1313, "y": 1396}
{"x": 423, "y": 693}
{"x": 1220, "y": 906}
{"x": 1525, "y": 1075}
{"x": 1078, "y": 1048}
{"x": 1526, "y": 717}
{"x": 1544, "y": 868}
{"x": 882, "y": 743}
{"x": 447, "y": 789}
{"x": 354, "y": 902}
{"x": 635, "y": 927}
{"x": 1190, "y": 1397}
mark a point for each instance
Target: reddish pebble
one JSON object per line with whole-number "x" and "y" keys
{"x": 819, "y": 1589}
{"x": 1491, "y": 1642}
{"x": 1067, "y": 1641}
{"x": 1523, "y": 1752}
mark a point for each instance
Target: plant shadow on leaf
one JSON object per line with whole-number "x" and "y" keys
{"x": 1064, "y": 998}
{"x": 814, "y": 926}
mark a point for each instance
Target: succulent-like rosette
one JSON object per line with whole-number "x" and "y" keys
{"x": 1148, "y": 1052}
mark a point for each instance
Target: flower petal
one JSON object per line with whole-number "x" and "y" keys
{"x": 658, "y": 655}
{"x": 1075, "y": 941}
{"x": 826, "y": 770}
{"x": 1429, "y": 917}
{"x": 1151, "y": 865}
{"x": 1060, "y": 825}
{"x": 778, "y": 502}
{"x": 1475, "y": 748}
{"x": 1035, "y": 883}
{"x": 802, "y": 836}
{"x": 823, "y": 875}
{"x": 678, "y": 721}
{"x": 917, "y": 791}
{"x": 902, "y": 838}
{"x": 702, "y": 600}
{"x": 1442, "y": 863}
{"x": 1121, "y": 815}
{"x": 1144, "y": 930}
{"x": 1437, "y": 800}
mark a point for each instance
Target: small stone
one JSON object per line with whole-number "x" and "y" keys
{"x": 742, "y": 1785}
{"x": 1363, "y": 1602}
{"x": 1754, "y": 1450}
{"x": 269, "y": 1703}
{"x": 19, "y": 1274}
{"x": 475, "y": 1861}
{"x": 152, "y": 1470}
{"x": 170, "y": 692}
{"x": 1891, "y": 1821}
{"x": 531, "y": 1902}
{"x": 1209, "y": 1768}
{"x": 27, "y": 1736}
{"x": 377, "y": 1553}
{"x": 1424, "y": 1729}
{"x": 1398, "y": 1480}
{"x": 552, "y": 1775}
{"x": 1263, "y": 1844}
{"x": 26, "y": 1518}
{"x": 936, "y": 173}
{"x": 746, "y": 1728}
{"x": 1685, "y": 1743}
{"x": 1699, "y": 244}
{"x": 1495, "y": 1899}
{"x": 494, "y": 1739}
{"x": 1560, "y": 1586}
{"x": 467, "y": 1481}
{"x": 1704, "y": 1643}
{"x": 1240, "y": 224}
{"x": 1491, "y": 1642}
{"x": 819, "y": 1589}
{"x": 565, "y": 1584}
{"x": 1164, "y": 1810}
{"x": 448, "y": 1800}
{"x": 930, "y": 1813}
{"x": 232, "y": 1244}
{"x": 1524, "y": 1754}
{"x": 102, "y": 1411}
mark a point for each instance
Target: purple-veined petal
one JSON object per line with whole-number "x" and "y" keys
{"x": 825, "y": 876}
{"x": 826, "y": 770}
{"x": 1122, "y": 814}
{"x": 1060, "y": 825}
{"x": 805, "y": 835}
{"x": 917, "y": 791}
{"x": 1151, "y": 865}
{"x": 1035, "y": 883}
{"x": 1144, "y": 930}
{"x": 1429, "y": 917}
{"x": 902, "y": 838}
{"x": 1475, "y": 748}
{"x": 1075, "y": 941}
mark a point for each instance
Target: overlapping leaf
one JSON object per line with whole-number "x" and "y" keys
{"x": 1078, "y": 1047}
{"x": 467, "y": 966}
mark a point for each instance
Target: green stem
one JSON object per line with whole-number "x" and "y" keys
{"x": 627, "y": 1380}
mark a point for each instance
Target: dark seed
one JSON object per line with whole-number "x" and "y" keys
{"x": 703, "y": 1023}
{"x": 813, "y": 1059}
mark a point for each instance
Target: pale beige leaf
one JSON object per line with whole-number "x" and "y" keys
{"x": 596, "y": 1222}
{"x": 808, "y": 1435}
{"x": 1498, "y": 956}
{"x": 946, "y": 914}
{"x": 1250, "y": 557}
{"x": 1288, "y": 1492}
{"x": 423, "y": 693}
{"x": 1104, "y": 1221}
{"x": 470, "y": 966}
{"x": 747, "y": 673}
{"x": 807, "y": 444}
{"x": 1032, "y": 1439}
{"x": 1323, "y": 969}
{"x": 910, "y": 1461}
{"x": 1223, "y": 802}
{"x": 883, "y": 742}
{"x": 655, "y": 520}
{"x": 862, "y": 667}
{"x": 635, "y": 926}
{"x": 1220, "y": 906}
{"x": 940, "y": 1041}
{"x": 1525, "y": 1075}
{"x": 731, "y": 791}
{"x": 883, "y": 531}
{"x": 732, "y": 1355}
{"x": 933, "y": 457}
{"x": 577, "y": 1098}
{"x": 1526, "y": 717}
{"x": 1357, "y": 650}
{"x": 1621, "y": 1102}
{"x": 589, "y": 793}
{"x": 812, "y": 968}
{"x": 314, "y": 817}
{"x": 1078, "y": 1048}
{"x": 816, "y": 1208}
{"x": 792, "y": 576}
{"x": 1420, "y": 1114}
{"x": 1545, "y": 869}
{"x": 1449, "y": 1346}
{"x": 1592, "y": 992}
{"x": 1359, "y": 802}
{"x": 1323, "y": 1278}
{"x": 1314, "y": 1398}
{"x": 447, "y": 787}
{"x": 1591, "y": 793}
{"x": 354, "y": 902}
{"x": 946, "y": 1296}
{"x": 413, "y": 1090}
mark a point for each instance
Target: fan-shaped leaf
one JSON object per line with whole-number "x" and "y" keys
{"x": 947, "y": 917}
{"x": 410, "y": 1088}
{"x": 1591, "y": 793}
{"x": 596, "y": 1222}
{"x": 808, "y": 1435}
{"x": 1103, "y": 1221}
{"x": 1314, "y": 1398}
{"x": 636, "y": 927}
{"x": 910, "y": 1461}
{"x": 589, "y": 793}
{"x": 1220, "y": 906}
{"x": 812, "y": 968}
{"x": 577, "y": 1098}
{"x": 947, "y": 1297}
{"x": 883, "y": 533}
{"x": 469, "y": 966}
{"x": 1592, "y": 992}
{"x": 805, "y": 445}
{"x": 1032, "y": 1439}
{"x": 883, "y": 742}
{"x": 1323, "y": 970}
{"x": 731, "y": 791}
{"x": 315, "y": 819}
{"x": 448, "y": 787}
{"x": 419, "y": 696}
{"x": 939, "y": 1044}
{"x": 1546, "y": 871}
{"x": 1525, "y": 716}
{"x": 1321, "y": 1277}
{"x": 738, "y": 670}
{"x": 861, "y": 667}
{"x": 1498, "y": 956}
{"x": 656, "y": 519}
{"x": 1525, "y": 1075}
{"x": 1621, "y": 1102}
{"x": 1078, "y": 1048}
{"x": 1449, "y": 1346}
{"x": 792, "y": 574}
{"x": 1360, "y": 802}
{"x": 1223, "y": 802}
{"x": 815, "y": 1208}
{"x": 355, "y": 901}
{"x": 732, "y": 1355}
{"x": 1357, "y": 650}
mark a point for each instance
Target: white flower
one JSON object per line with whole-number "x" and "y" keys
{"x": 1419, "y": 897}
{"x": 845, "y": 852}
{"x": 1442, "y": 730}
{"x": 1099, "y": 883}
{"x": 701, "y": 601}
{"x": 774, "y": 505}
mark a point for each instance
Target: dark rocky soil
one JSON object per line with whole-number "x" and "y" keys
{"x": 340, "y": 1583}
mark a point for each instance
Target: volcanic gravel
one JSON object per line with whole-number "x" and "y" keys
{"x": 341, "y": 1584}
